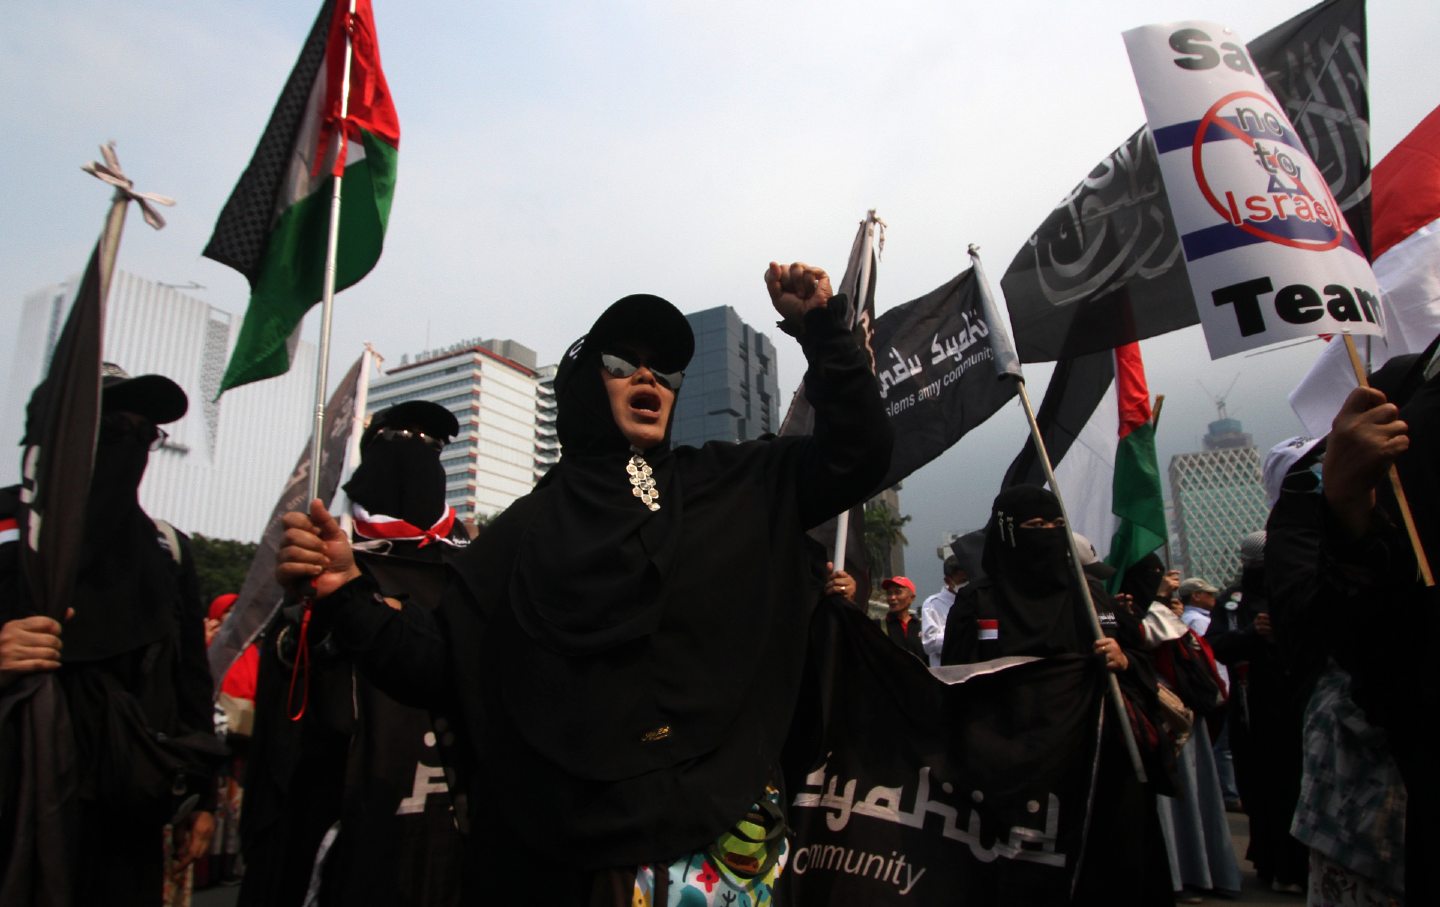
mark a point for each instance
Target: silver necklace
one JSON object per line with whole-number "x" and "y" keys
{"x": 642, "y": 480}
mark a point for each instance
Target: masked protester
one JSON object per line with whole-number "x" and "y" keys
{"x": 356, "y": 760}
{"x": 1026, "y": 605}
{"x": 133, "y": 661}
{"x": 616, "y": 665}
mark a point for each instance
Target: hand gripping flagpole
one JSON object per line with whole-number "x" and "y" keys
{"x": 1117, "y": 700}
{"x": 327, "y": 299}
{"x": 1421, "y": 561}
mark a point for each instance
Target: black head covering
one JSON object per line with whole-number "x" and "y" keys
{"x": 402, "y": 477}
{"x": 1142, "y": 581}
{"x": 584, "y": 423}
{"x": 1030, "y": 575}
{"x": 591, "y": 564}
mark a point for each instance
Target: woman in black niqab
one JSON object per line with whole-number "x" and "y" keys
{"x": 1029, "y": 586}
{"x": 618, "y": 662}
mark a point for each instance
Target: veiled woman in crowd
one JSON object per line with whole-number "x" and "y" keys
{"x": 614, "y": 667}
{"x": 1028, "y": 604}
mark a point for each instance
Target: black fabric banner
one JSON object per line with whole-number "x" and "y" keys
{"x": 918, "y": 790}
{"x": 39, "y": 768}
{"x": 936, "y": 360}
{"x": 1076, "y": 388}
{"x": 1104, "y": 269}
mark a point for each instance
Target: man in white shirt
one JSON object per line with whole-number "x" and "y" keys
{"x": 1198, "y": 598}
{"x": 934, "y": 610}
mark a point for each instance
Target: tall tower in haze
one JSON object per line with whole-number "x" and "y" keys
{"x": 731, "y": 386}
{"x": 1219, "y": 499}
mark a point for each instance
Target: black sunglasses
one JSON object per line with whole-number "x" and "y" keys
{"x": 115, "y": 426}
{"x": 618, "y": 366}
{"x": 405, "y": 434}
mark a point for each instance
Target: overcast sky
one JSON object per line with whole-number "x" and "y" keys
{"x": 558, "y": 155}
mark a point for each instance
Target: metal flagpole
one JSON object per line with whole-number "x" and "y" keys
{"x": 842, "y": 522}
{"x": 1117, "y": 700}
{"x": 327, "y": 300}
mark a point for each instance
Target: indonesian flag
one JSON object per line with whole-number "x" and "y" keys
{"x": 1097, "y": 425}
{"x": 275, "y": 226}
{"x": 1406, "y": 195}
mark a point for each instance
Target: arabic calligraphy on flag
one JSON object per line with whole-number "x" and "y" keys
{"x": 943, "y": 363}
{"x": 966, "y": 785}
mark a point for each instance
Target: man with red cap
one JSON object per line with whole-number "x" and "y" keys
{"x": 901, "y": 626}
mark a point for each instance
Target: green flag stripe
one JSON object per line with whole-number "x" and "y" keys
{"x": 1138, "y": 501}
{"x": 292, "y": 276}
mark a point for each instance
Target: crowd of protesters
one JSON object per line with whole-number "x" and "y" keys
{"x": 569, "y": 673}
{"x": 1290, "y": 694}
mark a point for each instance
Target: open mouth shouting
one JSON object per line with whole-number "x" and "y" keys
{"x": 645, "y": 403}
{"x": 640, "y": 406}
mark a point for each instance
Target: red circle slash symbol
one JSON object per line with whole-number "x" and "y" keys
{"x": 1326, "y": 202}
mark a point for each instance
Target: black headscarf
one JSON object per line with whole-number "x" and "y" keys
{"x": 400, "y": 478}
{"x": 592, "y": 562}
{"x": 1030, "y": 575}
{"x": 1142, "y": 581}
{"x": 126, "y": 588}
{"x": 621, "y": 744}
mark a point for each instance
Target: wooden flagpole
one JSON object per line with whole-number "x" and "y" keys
{"x": 1117, "y": 699}
{"x": 1421, "y": 560}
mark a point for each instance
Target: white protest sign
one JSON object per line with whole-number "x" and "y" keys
{"x": 1268, "y": 252}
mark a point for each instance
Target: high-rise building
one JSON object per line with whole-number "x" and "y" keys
{"x": 547, "y": 439}
{"x": 226, "y": 462}
{"x": 492, "y": 387}
{"x": 731, "y": 388}
{"x": 1218, "y": 499}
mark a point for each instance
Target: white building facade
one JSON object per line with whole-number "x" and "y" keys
{"x": 226, "y": 462}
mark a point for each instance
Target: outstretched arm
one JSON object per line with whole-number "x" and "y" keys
{"x": 849, "y": 451}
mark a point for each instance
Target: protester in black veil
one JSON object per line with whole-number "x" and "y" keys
{"x": 350, "y": 755}
{"x": 1027, "y": 603}
{"x": 616, "y": 665}
{"x": 133, "y": 659}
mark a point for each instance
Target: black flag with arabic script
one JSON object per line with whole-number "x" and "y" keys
{"x": 971, "y": 789}
{"x": 945, "y": 365}
{"x": 1105, "y": 269}
{"x": 259, "y": 597}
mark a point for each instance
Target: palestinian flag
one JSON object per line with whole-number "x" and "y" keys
{"x": 1096, "y": 422}
{"x": 1407, "y": 267}
{"x": 275, "y": 226}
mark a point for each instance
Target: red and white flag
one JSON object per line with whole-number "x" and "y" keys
{"x": 1406, "y": 239}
